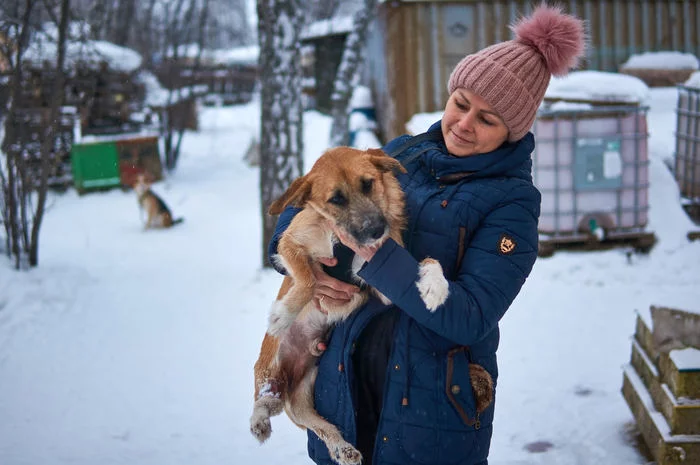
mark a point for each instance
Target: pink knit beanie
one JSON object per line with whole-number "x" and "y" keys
{"x": 513, "y": 76}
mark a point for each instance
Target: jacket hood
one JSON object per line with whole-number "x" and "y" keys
{"x": 512, "y": 159}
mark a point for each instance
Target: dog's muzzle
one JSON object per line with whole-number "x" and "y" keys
{"x": 372, "y": 228}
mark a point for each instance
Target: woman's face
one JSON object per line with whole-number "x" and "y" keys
{"x": 470, "y": 126}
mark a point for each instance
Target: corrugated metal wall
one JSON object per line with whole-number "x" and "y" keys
{"x": 415, "y": 45}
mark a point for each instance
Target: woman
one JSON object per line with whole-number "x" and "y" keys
{"x": 395, "y": 379}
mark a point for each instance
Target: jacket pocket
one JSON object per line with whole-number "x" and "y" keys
{"x": 458, "y": 386}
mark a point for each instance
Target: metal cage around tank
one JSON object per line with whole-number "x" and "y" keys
{"x": 687, "y": 157}
{"x": 591, "y": 166}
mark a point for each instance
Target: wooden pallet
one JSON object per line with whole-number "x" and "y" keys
{"x": 639, "y": 241}
{"x": 667, "y": 448}
{"x": 681, "y": 415}
{"x": 663, "y": 392}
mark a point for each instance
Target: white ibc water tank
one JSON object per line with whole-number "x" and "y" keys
{"x": 591, "y": 167}
{"x": 591, "y": 160}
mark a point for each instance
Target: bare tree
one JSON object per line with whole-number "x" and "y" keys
{"x": 281, "y": 138}
{"x": 17, "y": 30}
{"x": 124, "y": 22}
{"x": 349, "y": 72}
{"x": 180, "y": 34}
{"x": 146, "y": 25}
{"x": 24, "y": 187}
{"x": 47, "y": 145}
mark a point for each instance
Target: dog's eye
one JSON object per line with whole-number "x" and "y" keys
{"x": 367, "y": 185}
{"x": 338, "y": 199}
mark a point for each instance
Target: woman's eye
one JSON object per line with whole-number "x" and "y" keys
{"x": 338, "y": 199}
{"x": 487, "y": 122}
{"x": 461, "y": 106}
{"x": 367, "y": 185}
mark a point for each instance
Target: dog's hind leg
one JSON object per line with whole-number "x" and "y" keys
{"x": 301, "y": 411}
{"x": 268, "y": 404}
{"x": 269, "y": 389}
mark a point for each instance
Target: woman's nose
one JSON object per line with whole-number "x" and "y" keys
{"x": 466, "y": 122}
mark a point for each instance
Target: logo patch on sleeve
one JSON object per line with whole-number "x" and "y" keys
{"x": 506, "y": 245}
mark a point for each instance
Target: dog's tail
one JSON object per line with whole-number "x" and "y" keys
{"x": 178, "y": 220}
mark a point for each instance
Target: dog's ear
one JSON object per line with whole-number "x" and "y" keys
{"x": 296, "y": 194}
{"x": 384, "y": 162}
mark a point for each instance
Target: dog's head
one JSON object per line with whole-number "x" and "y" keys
{"x": 142, "y": 182}
{"x": 351, "y": 188}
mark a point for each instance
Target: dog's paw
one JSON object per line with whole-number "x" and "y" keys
{"x": 260, "y": 426}
{"x": 280, "y": 319}
{"x": 432, "y": 284}
{"x": 346, "y": 454}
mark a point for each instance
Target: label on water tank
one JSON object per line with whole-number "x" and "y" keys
{"x": 598, "y": 164}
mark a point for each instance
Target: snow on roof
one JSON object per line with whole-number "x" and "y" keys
{"x": 156, "y": 94}
{"x": 246, "y": 55}
{"x": 184, "y": 51}
{"x": 79, "y": 49}
{"x": 598, "y": 86}
{"x": 564, "y": 106}
{"x": 327, "y": 27}
{"x": 90, "y": 52}
{"x": 159, "y": 96}
{"x": 119, "y": 58}
{"x": 662, "y": 60}
{"x": 693, "y": 80}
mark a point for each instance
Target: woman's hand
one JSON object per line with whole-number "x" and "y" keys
{"x": 331, "y": 291}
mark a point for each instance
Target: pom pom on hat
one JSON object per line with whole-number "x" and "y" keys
{"x": 557, "y": 36}
{"x": 513, "y": 76}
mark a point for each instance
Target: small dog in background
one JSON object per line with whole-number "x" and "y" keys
{"x": 158, "y": 214}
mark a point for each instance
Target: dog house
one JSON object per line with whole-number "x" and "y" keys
{"x": 687, "y": 159}
{"x": 139, "y": 154}
{"x": 100, "y": 162}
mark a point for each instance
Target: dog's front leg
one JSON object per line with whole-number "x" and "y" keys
{"x": 285, "y": 310}
{"x": 432, "y": 284}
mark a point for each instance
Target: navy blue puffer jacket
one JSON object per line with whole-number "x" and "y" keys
{"x": 478, "y": 216}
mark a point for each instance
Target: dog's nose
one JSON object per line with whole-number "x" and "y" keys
{"x": 371, "y": 229}
{"x": 376, "y": 231}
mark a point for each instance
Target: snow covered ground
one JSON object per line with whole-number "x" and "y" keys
{"x": 136, "y": 348}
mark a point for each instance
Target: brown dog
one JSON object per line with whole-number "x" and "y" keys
{"x": 157, "y": 212}
{"x": 357, "y": 193}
